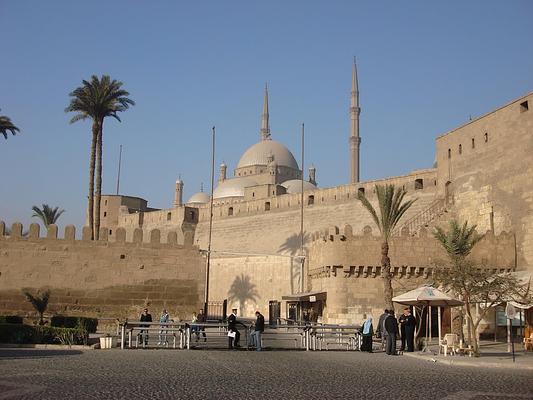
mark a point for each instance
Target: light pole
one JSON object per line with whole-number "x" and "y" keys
{"x": 206, "y": 298}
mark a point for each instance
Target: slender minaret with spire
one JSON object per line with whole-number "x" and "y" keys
{"x": 265, "y": 127}
{"x": 355, "y": 140}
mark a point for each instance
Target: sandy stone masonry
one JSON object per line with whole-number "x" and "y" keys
{"x": 99, "y": 278}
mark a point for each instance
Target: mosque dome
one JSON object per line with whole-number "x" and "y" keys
{"x": 199, "y": 198}
{"x": 233, "y": 187}
{"x": 295, "y": 186}
{"x": 260, "y": 152}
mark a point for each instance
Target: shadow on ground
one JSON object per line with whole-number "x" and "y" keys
{"x": 35, "y": 353}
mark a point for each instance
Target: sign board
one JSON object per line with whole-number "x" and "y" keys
{"x": 312, "y": 299}
{"x": 510, "y": 311}
{"x": 501, "y": 318}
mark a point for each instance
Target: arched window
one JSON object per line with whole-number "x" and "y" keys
{"x": 449, "y": 153}
{"x": 230, "y": 211}
{"x": 473, "y": 143}
{"x": 310, "y": 200}
{"x": 486, "y": 137}
{"x": 419, "y": 184}
{"x": 267, "y": 206}
{"x": 460, "y": 149}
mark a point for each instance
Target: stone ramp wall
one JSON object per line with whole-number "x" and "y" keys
{"x": 99, "y": 278}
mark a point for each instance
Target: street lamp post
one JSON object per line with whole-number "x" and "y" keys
{"x": 206, "y": 298}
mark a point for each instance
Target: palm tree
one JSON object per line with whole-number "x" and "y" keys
{"x": 6, "y": 125}
{"x": 40, "y": 303}
{"x": 391, "y": 210}
{"x": 47, "y": 214}
{"x": 97, "y": 99}
{"x": 458, "y": 241}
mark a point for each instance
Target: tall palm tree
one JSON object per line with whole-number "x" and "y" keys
{"x": 39, "y": 303}
{"x": 7, "y": 126}
{"x": 47, "y": 214}
{"x": 391, "y": 210}
{"x": 97, "y": 99}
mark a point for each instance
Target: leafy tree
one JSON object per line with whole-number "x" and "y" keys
{"x": 391, "y": 209}
{"x": 7, "y": 126}
{"x": 39, "y": 303}
{"x": 47, "y": 214}
{"x": 97, "y": 99}
{"x": 474, "y": 285}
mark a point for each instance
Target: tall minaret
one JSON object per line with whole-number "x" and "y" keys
{"x": 355, "y": 140}
{"x": 265, "y": 127}
{"x": 178, "y": 195}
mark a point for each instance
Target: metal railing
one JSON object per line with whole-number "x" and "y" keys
{"x": 187, "y": 335}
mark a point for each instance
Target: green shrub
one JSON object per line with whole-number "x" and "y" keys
{"x": 36, "y": 334}
{"x": 90, "y": 324}
{"x": 10, "y": 319}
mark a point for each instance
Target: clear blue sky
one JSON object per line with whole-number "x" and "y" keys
{"x": 424, "y": 67}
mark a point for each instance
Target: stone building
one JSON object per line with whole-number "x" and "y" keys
{"x": 483, "y": 173}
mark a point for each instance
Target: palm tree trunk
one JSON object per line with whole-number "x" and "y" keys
{"x": 98, "y": 194}
{"x": 386, "y": 274}
{"x": 92, "y": 159}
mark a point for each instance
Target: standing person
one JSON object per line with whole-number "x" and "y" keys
{"x": 233, "y": 341}
{"x": 201, "y": 319}
{"x": 258, "y": 330}
{"x": 407, "y": 329}
{"x": 380, "y": 331}
{"x": 391, "y": 326}
{"x": 194, "y": 327}
{"x": 367, "y": 331}
{"x": 163, "y": 318}
{"x": 313, "y": 316}
{"x": 145, "y": 317}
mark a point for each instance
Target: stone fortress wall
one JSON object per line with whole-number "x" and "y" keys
{"x": 485, "y": 170}
{"x": 347, "y": 266}
{"x": 99, "y": 278}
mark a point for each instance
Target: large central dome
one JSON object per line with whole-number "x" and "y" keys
{"x": 259, "y": 153}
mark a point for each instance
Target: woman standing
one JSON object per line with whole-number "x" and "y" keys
{"x": 367, "y": 332}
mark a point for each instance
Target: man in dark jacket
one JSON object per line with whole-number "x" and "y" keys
{"x": 380, "y": 330}
{"x": 233, "y": 333}
{"x": 391, "y": 326}
{"x": 407, "y": 329}
{"x": 258, "y": 330}
{"x": 145, "y": 317}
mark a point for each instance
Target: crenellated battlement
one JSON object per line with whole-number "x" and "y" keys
{"x": 339, "y": 252}
{"x": 34, "y": 234}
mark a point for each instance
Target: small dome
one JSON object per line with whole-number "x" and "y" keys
{"x": 260, "y": 152}
{"x": 233, "y": 187}
{"x": 295, "y": 186}
{"x": 199, "y": 198}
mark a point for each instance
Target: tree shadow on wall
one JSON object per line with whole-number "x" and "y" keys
{"x": 293, "y": 243}
{"x": 291, "y": 246}
{"x": 242, "y": 289}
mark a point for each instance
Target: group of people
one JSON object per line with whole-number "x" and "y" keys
{"x": 255, "y": 335}
{"x": 388, "y": 331}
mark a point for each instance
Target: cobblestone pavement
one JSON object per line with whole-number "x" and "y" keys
{"x": 219, "y": 374}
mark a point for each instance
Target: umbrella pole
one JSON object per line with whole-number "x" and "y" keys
{"x": 427, "y": 320}
{"x": 440, "y": 327}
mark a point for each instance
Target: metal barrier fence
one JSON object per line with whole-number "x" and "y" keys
{"x": 186, "y": 335}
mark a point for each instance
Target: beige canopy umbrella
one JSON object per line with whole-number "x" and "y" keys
{"x": 427, "y": 296}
